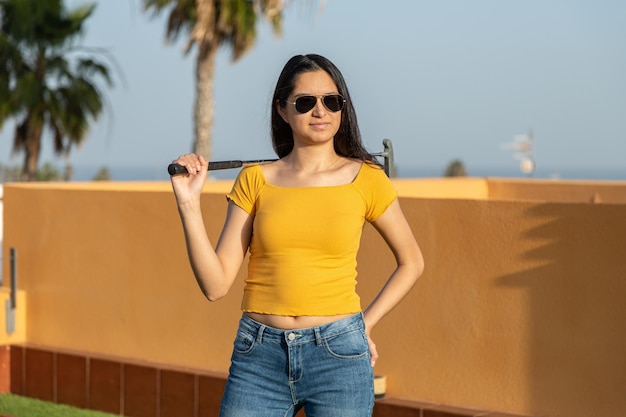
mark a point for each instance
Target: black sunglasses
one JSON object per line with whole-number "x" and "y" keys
{"x": 332, "y": 102}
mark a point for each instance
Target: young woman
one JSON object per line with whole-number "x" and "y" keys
{"x": 303, "y": 339}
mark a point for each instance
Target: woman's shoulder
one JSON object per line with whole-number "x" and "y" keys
{"x": 376, "y": 189}
{"x": 372, "y": 178}
{"x": 251, "y": 176}
{"x": 251, "y": 171}
{"x": 371, "y": 170}
{"x": 247, "y": 187}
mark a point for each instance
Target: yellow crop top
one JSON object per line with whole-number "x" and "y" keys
{"x": 305, "y": 241}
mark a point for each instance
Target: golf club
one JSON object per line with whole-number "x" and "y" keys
{"x": 387, "y": 154}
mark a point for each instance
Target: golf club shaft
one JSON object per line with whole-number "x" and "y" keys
{"x": 176, "y": 169}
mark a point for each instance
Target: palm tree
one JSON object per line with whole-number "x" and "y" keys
{"x": 46, "y": 82}
{"x": 210, "y": 24}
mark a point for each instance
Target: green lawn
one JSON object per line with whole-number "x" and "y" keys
{"x": 16, "y": 406}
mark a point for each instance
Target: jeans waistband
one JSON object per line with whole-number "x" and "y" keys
{"x": 291, "y": 336}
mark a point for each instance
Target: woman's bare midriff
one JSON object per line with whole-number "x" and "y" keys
{"x": 294, "y": 322}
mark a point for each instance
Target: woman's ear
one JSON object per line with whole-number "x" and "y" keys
{"x": 281, "y": 111}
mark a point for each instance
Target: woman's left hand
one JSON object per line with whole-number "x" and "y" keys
{"x": 373, "y": 351}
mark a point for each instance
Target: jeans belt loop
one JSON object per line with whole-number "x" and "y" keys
{"x": 259, "y": 334}
{"x": 318, "y": 336}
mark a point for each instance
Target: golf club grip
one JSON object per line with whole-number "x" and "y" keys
{"x": 175, "y": 169}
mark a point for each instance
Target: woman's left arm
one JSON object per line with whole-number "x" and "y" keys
{"x": 394, "y": 228}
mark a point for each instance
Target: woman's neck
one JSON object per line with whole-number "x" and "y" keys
{"x": 312, "y": 159}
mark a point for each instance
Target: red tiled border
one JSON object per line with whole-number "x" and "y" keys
{"x": 147, "y": 390}
{"x": 140, "y": 391}
{"x": 16, "y": 357}
{"x": 71, "y": 372}
{"x": 5, "y": 369}
{"x": 178, "y": 394}
{"x": 41, "y": 363}
{"x": 104, "y": 386}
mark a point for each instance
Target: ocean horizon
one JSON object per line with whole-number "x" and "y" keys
{"x": 159, "y": 173}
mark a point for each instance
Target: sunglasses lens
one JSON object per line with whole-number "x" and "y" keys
{"x": 304, "y": 104}
{"x": 334, "y": 103}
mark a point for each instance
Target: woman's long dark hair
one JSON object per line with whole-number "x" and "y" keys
{"x": 347, "y": 139}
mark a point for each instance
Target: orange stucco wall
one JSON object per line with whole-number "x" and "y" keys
{"x": 520, "y": 308}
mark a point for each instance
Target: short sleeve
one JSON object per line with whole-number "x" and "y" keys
{"x": 246, "y": 188}
{"x": 378, "y": 192}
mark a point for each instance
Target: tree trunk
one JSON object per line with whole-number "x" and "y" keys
{"x": 32, "y": 148}
{"x": 204, "y": 107}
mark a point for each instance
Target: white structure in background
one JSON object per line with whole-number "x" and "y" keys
{"x": 524, "y": 148}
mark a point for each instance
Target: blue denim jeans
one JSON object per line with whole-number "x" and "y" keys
{"x": 325, "y": 369}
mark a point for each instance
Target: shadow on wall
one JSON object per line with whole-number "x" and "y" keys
{"x": 575, "y": 309}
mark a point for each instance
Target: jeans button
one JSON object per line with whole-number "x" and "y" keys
{"x": 291, "y": 336}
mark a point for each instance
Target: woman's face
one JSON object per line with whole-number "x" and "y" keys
{"x": 318, "y": 125}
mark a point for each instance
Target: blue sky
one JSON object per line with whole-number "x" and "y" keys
{"x": 445, "y": 80}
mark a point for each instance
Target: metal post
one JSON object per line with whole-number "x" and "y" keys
{"x": 13, "y": 278}
{"x": 11, "y": 303}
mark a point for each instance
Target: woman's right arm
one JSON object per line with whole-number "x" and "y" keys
{"x": 215, "y": 269}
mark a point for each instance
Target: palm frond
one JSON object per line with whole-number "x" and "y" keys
{"x": 182, "y": 15}
{"x": 272, "y": 10}
{"x": 91, "y": 69}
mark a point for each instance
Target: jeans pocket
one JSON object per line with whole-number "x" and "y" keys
{"x": 349, "y": 345}
{"x": 244, "y": 342}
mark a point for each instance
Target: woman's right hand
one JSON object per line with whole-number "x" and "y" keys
{"x": 188, "y": 186}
